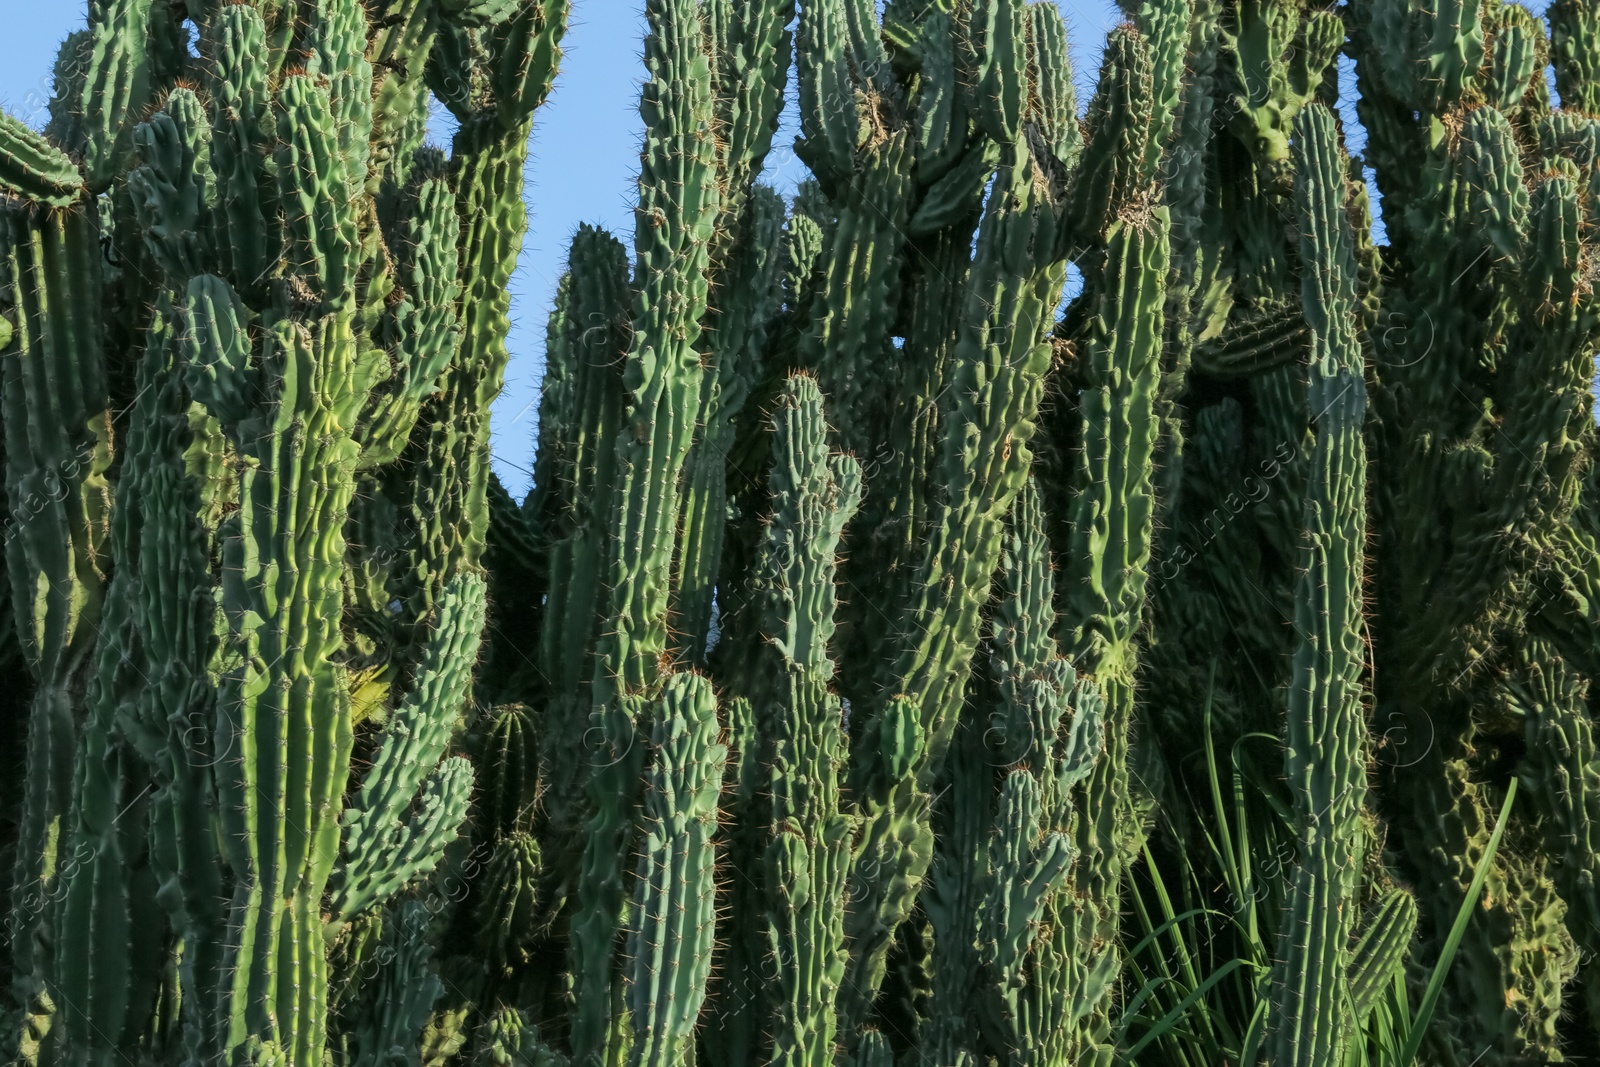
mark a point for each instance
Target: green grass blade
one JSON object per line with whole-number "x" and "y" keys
{"x": 1430, "y": 998}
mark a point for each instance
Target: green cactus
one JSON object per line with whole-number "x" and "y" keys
{"x": 58, "y": 441}
{"x": 1378, "y": 955}
{"x": 1108, "y": 549}
{"x": 677, "y": 207}
{"x": 247, "y": 270}
{"x": 839, "y": 681}
{"x": 402, "y": 992}
{"x": 1325, "y": 761}
{"x": 672, "y": 928}
{"x": 807, "y": 855}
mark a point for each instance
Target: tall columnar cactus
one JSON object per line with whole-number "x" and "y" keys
{"x": 1326, "y": 759}
{"x": 58, "y": 441}
{"x": 749, "y": 45}
{"x": 938, "y": 156}
{"x": 1033, "y": 982}
{"x": 1487, "y": 434}
{"x": 801, "y": 734}
{"x": 678, "y": 198}
{"x": 231, "y": 235}
{"x": 672, "y": 925}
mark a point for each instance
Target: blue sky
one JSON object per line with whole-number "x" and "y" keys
{"x": 582, "y": 167}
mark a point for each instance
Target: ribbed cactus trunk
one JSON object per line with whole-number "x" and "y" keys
{"x": 1485, "y": 446}
{"x": 1326, "y": 758}
{"x": 800, "y": 729}
{"x": 678, "y": 198}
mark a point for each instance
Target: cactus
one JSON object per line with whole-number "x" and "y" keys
{"x": 1509, "y": 371}
{"x": 677, "y": 207}
{"x": 1380, "y": 952}
{"x": 57, "y": 450}
{"x": 1325, "y": 762}
{"x": 672, "y": 928}
{"x": 842, "y": 671}
{"x": 807, "y": 854}
{"x": 248, "y": 274}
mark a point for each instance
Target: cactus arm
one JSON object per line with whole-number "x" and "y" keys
{"x": 808, "y": 848}
{"x": 997, "y": 379}
{"x": 573, "y": 508}
{"x": 662, "y": 373}
{"x": 1574, "y": 34}
{"x": 1108, "y": 551}
{"x": 830, "y": 108}
{"x": 1562, "y": 774}
{"x": 1027, "y": 866}
{"x": 1000, "y": 892}
{"x": 749, "y": 300}
{"x": 450, "y": 505}
{"x": 1379, "y": 953}
{"x": 283, "y": 707}
{"x": 424, "y": 325}
{"x": 673, "y": 926}
{"x": 382, "y": 848}
{"x": 1112, "y": 166}
{"x": 738, "y": 1007}
{"x": 504, "y": 914}
{"x": 33, "y": 169}
{"x": 406, "y": 31}
{"x": 951, "y": 899}
{"x": 1276, "y": 56}
{"x": 174, "y": 187}
{"x": 116, "y": 83}
{"x": 1325, "y": 761}
{"x": 514, "y": 71}
{"x": 749, "y": 76}
{"x": 246, "y": 241}
{"x": 994, "y": 55}
{"x": 1053, "y": 104}
{"x": 403, "y": 990}
{"x": 849, "y": 340}
{"x": 97, "y": 981}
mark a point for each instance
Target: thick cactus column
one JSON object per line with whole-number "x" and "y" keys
{"x": 677, "y": 208}
{"x": 997, "y": 382}
{"x": 801, "y": 729}
{"x": 1326, "y": 760}
{"x": 492, "y": 68}
{"x": 672, "y": 927}
{"x": 1481, "y": 442}
{"x": 577, "y": 454}
{"x": 750, "y": 44}
{"x": 58, "y": 442}
{"x": 1032, "y": 978}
